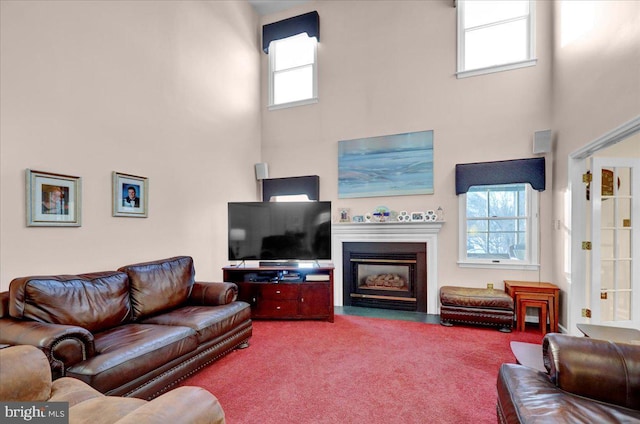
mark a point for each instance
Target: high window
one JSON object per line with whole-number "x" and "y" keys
{"x": 495, "y": 35}
{"x": 499, "y": 226}
{"x": 292, "y": 46}
{"x": 292, "y": 71}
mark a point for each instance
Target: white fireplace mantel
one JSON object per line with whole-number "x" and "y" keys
{"x": 388, "y": 232}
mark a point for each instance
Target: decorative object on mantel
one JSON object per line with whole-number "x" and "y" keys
{"x": 383, "y": 214}
{"x": 392, "y": 165}
{"x": 404, "y": 216}
{"x": 417, "y": 216}
{"x": 344, "y": 215}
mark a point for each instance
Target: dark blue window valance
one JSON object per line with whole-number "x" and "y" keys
{"x": 309, "y": 23}
{"x": 530, "y": 171}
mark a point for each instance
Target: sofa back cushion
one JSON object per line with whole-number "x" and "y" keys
{"x": 95, "y": 301}
{"x": 159, "y": 285}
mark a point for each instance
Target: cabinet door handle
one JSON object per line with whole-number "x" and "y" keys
{"x": 277, "y": 308}
{"x": 277, "y": 291}
{"x": 302, "y": 299}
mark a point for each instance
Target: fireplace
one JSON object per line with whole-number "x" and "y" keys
{"x": 389, "y": 232}
{"x": 386, "y": 275}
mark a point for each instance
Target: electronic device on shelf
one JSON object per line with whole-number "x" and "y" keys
{"x": 279, "y": 231}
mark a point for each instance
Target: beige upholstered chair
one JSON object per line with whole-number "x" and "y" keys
{"x": 25, "y": 376}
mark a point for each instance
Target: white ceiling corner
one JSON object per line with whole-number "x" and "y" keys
{"x": 267, "y": 7}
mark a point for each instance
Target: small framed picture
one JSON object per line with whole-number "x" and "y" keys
{"x": 130, "y": 195}
{"x": 345, "y": 215}
{"x": 358, "y": 218}
{"x": 417, "y": 216}
{"x": 53, "y": 200}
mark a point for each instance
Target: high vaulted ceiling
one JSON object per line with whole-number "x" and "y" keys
{"x": 266, "y": 7}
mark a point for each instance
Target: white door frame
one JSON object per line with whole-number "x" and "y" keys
{"x": 576, "y": 279}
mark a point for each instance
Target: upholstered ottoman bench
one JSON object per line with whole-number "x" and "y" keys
{"x": 476, "y": 306}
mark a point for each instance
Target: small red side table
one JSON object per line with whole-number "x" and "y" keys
{"x": 535, "y": 291}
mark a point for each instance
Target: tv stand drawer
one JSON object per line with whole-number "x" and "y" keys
{"x": 279, "y": 291}
{"x": 277, "y": 308}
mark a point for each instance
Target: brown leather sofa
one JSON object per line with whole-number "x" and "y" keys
{"x": 588, "y": 381}
{"x": 134, "y": 332}
{"x": 25, "y": 376}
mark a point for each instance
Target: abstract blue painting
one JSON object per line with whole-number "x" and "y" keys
{"x": 391, "y": 165}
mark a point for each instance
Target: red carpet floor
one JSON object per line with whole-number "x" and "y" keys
{"x": 361, "y": 370}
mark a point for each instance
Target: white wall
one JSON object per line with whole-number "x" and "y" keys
{"x": 596, "y": 89}
{"x": 387, "y": 67}
{"x": 163, "y": 89}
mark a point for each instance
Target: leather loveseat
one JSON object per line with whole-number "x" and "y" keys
{"x": 25, "y": 377}
{"x": 588, "y": 381}
{"x": 133, "y": 332}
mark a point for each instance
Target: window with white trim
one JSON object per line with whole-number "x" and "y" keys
{"x": 499, "y": 226}
{"x": 495, "y": 35}
{"x": 293, "y": 71}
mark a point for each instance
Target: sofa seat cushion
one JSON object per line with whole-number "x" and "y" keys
{"x": 208, "y": 321}
{"x": 95, "y": 301}
{"x": 130, "y": 351}
{"x": 527, "y": 395}
{"x": 72, "y": 390}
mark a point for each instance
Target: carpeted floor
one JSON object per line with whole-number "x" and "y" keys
{"x": 361, "y": 370}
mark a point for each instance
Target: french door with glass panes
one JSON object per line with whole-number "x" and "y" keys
{"x": 615, "y": 241}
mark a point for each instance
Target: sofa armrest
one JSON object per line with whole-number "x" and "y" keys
{"x": 64, "y": 345}
{"x": 25, "y": 375}
{"x": 213, "y": 294}
{"x": 597, "y": 369}
{"x": 182, "y": 405}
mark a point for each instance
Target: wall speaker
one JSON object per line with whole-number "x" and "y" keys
{"x": 262, "y": 171}
{"x": 542, "y": 141}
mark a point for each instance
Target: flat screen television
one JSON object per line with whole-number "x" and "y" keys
{"x": 279, "y": 231}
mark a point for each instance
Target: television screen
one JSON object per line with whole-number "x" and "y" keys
{"x": 279, "y": 231}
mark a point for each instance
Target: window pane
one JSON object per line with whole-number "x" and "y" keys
{"x": 477, "y": 204}
{"x": 475, "y": 225}
{"x": 497, "y": 222}
{"x": 486, "y": 12}
{"x": 624, "y": 275}
{"x": 294, "y": 85}
{"x": 502, "y": 203}
{"x": 499, "y": 244}
{"x": 476, "y": 245}
{"x": 294, "y": 51}
{"x": 503, "y": 225}
{"x": 496, "y": 45}
{"x": 623, "y": 306}
{"x": 522, "y": 203}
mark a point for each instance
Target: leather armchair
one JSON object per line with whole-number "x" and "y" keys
{"x": 25, "y": 376}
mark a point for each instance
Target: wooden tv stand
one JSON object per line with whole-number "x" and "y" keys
{"x": 284, "y": 292}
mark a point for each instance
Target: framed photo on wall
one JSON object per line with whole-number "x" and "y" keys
{"x": 130, "y": 195}
{"x": 53, "y": 200}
